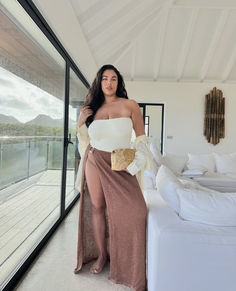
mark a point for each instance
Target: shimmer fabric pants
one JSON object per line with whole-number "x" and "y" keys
{"x": 120, "y": 193}
{"x": 98, "y": 203}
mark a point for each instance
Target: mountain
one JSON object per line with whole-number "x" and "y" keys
{"x": 41, "y": 119}
{"x": 45, "y": 120}
{"x": 8, "y": 119}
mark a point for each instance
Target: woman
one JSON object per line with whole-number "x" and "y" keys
{"x": 112, "y": 219}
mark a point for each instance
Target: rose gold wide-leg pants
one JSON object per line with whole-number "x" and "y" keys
{"x": 126, "y": 220}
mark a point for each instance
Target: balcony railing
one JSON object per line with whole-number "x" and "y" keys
{"x": 24, "y": 156}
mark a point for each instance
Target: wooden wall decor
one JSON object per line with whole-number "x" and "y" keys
{"x": 214, "y": 121}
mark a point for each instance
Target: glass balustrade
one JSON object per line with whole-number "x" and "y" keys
{"x": 23, "y": 157}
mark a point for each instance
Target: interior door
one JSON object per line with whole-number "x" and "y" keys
{"x": 153, "y": 117}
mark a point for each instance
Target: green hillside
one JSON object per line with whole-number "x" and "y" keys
{"x": 31, "y": 130}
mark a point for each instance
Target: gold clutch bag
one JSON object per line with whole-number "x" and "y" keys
{"x": 121, "y": 158}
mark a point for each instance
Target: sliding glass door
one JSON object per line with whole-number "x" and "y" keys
{"x": 33, "y": 105}
{"x": 77, "y": 93}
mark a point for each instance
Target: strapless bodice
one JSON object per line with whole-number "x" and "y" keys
{"x": 110, "y": 134}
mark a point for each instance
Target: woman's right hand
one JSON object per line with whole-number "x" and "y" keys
{"x": 85, "y": 112}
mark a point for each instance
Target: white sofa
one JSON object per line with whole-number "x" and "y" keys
{"x": 218, "y": 181}
{"x": 183, "y": 255}
{"x": 219, "y": 169}
{"x": 187, "y": 256}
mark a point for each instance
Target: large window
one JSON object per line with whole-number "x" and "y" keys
{"x": 32, "y": 134}
{"x": 77, "y": 93}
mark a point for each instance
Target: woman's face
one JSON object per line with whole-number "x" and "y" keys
{"x": 109, "y": 82}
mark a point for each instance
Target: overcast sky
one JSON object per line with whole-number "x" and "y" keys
{"x": 24, "y": 101}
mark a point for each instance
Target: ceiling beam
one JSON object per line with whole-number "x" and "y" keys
{"x": 119, "y": 17}
{"x": 116, "y": 45}
{"x": 160, "y": 43}
{"x": 161, "y": 38}
{"x": 145, "y": 28}
{"x": 92, "y": 10}
{"x": 229, "y": 66}
{"x": 109, "y": 59}
{"x": 216, "y": 4}
{"x": 133, "y": 64}
{"x": 187, "y": 44}
{"x": 137, "y": 37}
{"x": 214, "y": 43}
{"x": 113, "y": 41}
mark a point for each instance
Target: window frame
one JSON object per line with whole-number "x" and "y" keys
{"x": 37, "y": 17}
{"x": 143, "y": 106}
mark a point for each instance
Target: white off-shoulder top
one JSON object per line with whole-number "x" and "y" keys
{"x": 110, "y": 134}
{"x": 115, "y": 133}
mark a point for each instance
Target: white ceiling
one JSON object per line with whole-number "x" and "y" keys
{"x": 162, "y": 40}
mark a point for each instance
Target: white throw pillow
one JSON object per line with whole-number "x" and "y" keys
{"x": 193, "y": 173}
{"x": 210, "y": 207}
{"x": 156, "y": 154}
{"x": 174, "y": 162}
{"x": 226, "y": 163}
{"x": 201, "y": 162}
{"x": 167, "y": 183}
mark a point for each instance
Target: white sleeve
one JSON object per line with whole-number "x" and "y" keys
{"x": 83, "y": 138}
{"x": 143, "y": 157}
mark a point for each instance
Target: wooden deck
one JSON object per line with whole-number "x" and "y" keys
{"x": 27, "y": 211}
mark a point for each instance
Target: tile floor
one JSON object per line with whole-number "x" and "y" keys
{"x": 53, "y": 269}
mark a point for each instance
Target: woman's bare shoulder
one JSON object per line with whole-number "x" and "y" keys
{"x": 129, "y": 102}
{"x": 130, "y": 105}
{"x": 133, "y": 105}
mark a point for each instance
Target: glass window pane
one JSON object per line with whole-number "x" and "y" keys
{"x": 77, "y": 94}
{"x": 32, "y": 78}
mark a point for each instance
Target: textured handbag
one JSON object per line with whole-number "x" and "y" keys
{"x": 121, "y": 158}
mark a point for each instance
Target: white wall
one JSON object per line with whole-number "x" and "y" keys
{"x": 184, "y": 114}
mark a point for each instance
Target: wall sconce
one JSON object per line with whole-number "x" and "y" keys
{"x": 214, "y": 120}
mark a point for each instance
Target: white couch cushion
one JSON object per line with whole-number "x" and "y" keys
{"x": 174, "y": 162}
{"x": 193, "y": 173}
{"x": 225, "y": 163}
{"x": 201, "y": 162}
{"x": 150, "y": 179}
{"x": 156, "y": 154}
{"x": 210, "y": 207}
{"x": 150, "y": 176}
{"x": 167, "y": 183}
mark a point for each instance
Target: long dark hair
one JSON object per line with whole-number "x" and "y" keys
{"x": 95, "y": 97}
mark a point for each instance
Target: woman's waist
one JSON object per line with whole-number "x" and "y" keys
{"x": 109, "y": 145}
